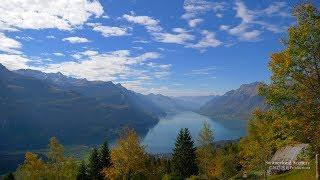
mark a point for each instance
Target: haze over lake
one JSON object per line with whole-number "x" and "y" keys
{"x": 161, "y": 138}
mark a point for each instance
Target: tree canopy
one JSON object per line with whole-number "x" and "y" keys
{"x": 128, "y": 157}
{"x": 293, "y": 94}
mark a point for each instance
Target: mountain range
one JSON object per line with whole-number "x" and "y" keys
{"x": 115, "y": 94}
{"x": 33, "y": 109}
{"x": 35, "y": 106}
{"x": 235, "y": 104}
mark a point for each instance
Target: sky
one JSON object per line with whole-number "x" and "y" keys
{"x": 172, "y": 47}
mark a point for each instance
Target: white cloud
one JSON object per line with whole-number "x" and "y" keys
{"x": 165, "y": 66}
{"x": 79, "y": 55}
{"x": 194, "y": 8}
{"x": 75, "y": 39}
{"x": 102, "y": 66}
{"x": 242, "y": 12}
{"x": 9, "y": 45}
{"x": 137, "y": 47}
{"x": 276, "y": 9}
{"x": 76, "y": 56}
{"x": 180, "y": 36}
{"x": 159, "y": 66}
{"x": 194, "y": 22}
{"x": 58, "y": 54}
{"x": 176, "y": 91}
{"x": 141, "y": 41}
{"x": 105, "y": 17}
{"x": 60, "y": 14}
{"x": 14, "y": 61}
{"x": 242, "y": 30}
{"x": 202, "y": 71}
{"x": 251, "y": 27}
{"x": 90, "y": 53}
{"x": 271, "y": 27}
{"x": 250, "y": 35}
{"x": 177, "y": 36}
{"x": 25, "y": 38}
{"x": 147, "y": 55}
{"x": 51, "y": 37}
{"x": 134, "y": 72}
{"x": 224, "y": 27}
{"x": 209, "y": 40}
{"x": 219, "y": 15}
{"x": 108, "y": 31}
{"x": 150, "y": 23}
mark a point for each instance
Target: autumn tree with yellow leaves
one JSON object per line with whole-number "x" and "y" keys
{"x": 58, "y": 166}
{"x": 129, "y": 159}
{"x": 205, "y": 151}
{"x": 293, "y": 94}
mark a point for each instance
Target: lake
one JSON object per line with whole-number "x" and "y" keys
{"x": 161, "y": 138}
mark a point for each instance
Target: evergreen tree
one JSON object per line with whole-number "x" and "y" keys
{"x": 94, "y": 167}
{"x": 105, "y": 158}
{"x": 184, "y": 155}
{"x": 82, "y": 172}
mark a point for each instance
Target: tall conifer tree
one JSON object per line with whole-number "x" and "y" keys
{"x": 82, "y": 172}
{"x": 105, "y": 158}
{"x": 184, "y": 155}
{"x": 94, "y": 167}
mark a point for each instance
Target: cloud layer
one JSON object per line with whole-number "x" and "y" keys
{"x": 77, "y": 30}
{"x": 60, "y": 14}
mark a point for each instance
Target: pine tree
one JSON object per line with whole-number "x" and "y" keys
{"x": 105, "y": 159}
{"x": 184, "y": 155}
{"x": 82, "y": 172}
{"x": 94, "y": 167}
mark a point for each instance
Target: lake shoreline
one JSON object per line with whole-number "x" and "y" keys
{"x": 161, "y": 138}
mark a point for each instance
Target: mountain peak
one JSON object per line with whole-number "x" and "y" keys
{"x": 254, "y": 84}
{"x": 3, "y": 69}
{"x": 2, "y": 66}
{"x": 235, "y": 104}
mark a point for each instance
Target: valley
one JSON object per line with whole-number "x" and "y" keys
{"x": 82, "y": 113}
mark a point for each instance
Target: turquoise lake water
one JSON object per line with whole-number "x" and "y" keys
{"x": 161, "y": 138}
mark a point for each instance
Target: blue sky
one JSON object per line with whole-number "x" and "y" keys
{"x": 191, "y": 47}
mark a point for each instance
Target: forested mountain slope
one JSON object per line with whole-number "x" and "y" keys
{"x": 33, "y": 110}
{"x": 235, "y": 104}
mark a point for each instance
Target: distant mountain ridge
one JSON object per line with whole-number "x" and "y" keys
{"x": 114, "y": 94}
{"x": 193, "y": 102}
{"x": 105, "y": 92}
{"x": 235, "y": 104}
{"x": 33, "y": 110}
